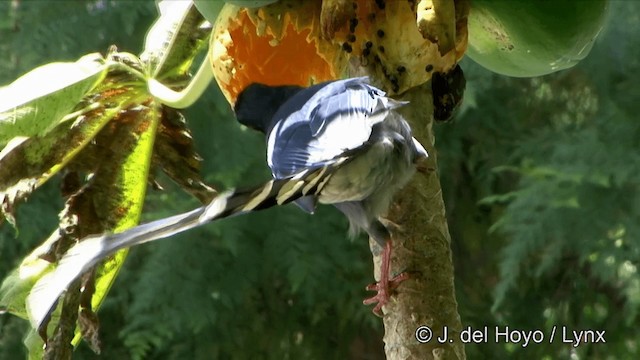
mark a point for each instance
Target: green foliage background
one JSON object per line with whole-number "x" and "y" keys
{"x": 540, "y": 176}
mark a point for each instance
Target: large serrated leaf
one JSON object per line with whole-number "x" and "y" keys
{"x": 110, "y": 156}
{"x": 117, "y": 191}
{"x": 30, "y": 163}
{"x": 38, "y": 100}
{"x": 120, "y": 187}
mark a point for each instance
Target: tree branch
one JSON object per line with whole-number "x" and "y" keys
{"x": 421, "y": 247}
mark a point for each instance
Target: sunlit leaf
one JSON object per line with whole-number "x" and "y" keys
{"x": 112, "y": 200}
{"x": 120, "y": 185}
{"x": 37, "y": 101}
{"x": 178, "y": 35}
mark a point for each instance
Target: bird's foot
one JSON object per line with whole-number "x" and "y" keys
{"x": 384, "y": 288}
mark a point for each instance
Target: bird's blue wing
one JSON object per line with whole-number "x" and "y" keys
{"x": 349, "y": 95}
{"x": 322, "y": 122}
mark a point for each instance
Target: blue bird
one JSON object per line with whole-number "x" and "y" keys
{"x": 340, "y": 142}
{"x": 310, "y": 128}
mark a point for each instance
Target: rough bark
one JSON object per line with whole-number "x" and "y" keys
{"x": 421, "y": 246}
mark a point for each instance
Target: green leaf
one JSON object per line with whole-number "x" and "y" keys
{"x": 18, "y": 283}
{"x": 111, "y": 201}
{"x": 29, "y": 163}
{"x": 172, "y": 43}
{"x": 39, "y": 100}
{"x": 119, "y": 205}
{"x": 121, "y": 185}
{"x": 498, "y": 198}
{"x": 35, "y": 345}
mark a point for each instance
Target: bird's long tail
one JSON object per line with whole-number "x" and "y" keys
{"x": 90, "y": 250}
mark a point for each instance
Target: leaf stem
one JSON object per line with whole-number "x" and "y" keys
{"x": 187, "y": 96}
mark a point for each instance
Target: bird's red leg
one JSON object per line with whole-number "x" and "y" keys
{"x": 385, "y": 286}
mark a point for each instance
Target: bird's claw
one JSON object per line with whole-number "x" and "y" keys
{"x": 384, "y": 290}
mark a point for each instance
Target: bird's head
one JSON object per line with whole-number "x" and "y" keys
{"x": 257, "y": 104}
